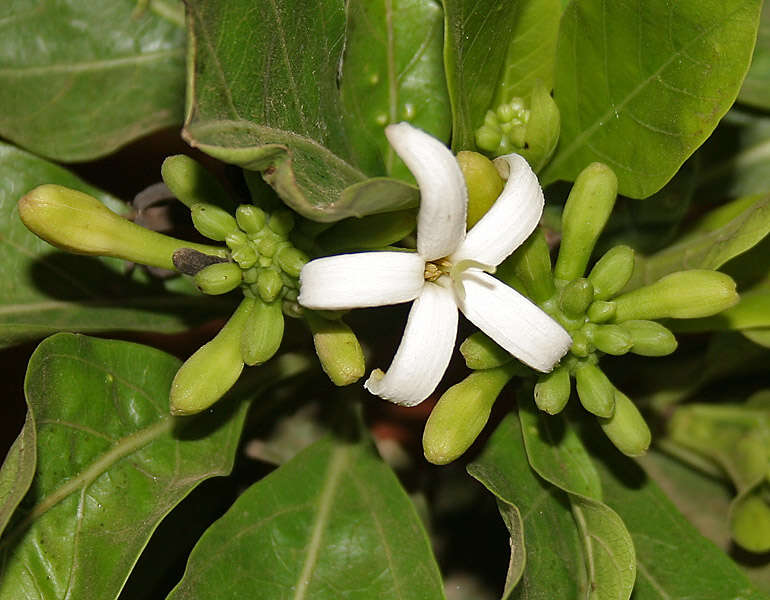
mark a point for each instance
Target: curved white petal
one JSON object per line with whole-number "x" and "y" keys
{"x": 360, "y": 280}
{"x": 424, "y": 352}
{"x": 514, "y": 322}
{"x": 510, "y": 221}
{"x": 443, "y": 196}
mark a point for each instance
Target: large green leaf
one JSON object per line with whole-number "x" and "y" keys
{"x": 557, "y": 454}
{"x": 492, "y": 51}
{"x": 112, "y": 463}
{"x": 80, "y": 79}
{"x": 44, "y": 290}
{"x": 392, "y": 71}
{"x": 262, "y": 94}
{"x": 17, "y": 471}
{"x": 756, "y": 86}
{"x": 641, "y": 85}
{"x": 554, "y": 556}
{"x": 331, "y": 523}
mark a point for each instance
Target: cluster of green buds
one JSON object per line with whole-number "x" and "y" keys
{"x": 258, "y": 258}
{"x": 504, "y": 129}
{"x": 598, "y": 314}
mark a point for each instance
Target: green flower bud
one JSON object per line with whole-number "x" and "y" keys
{"x": 612, "y": 272}
{"x": 576, "y": 296}
{"x": 601, "y": 311}
{"x": 212, "y": 221}
{"x": 626, "y": 428}
{"x": 585, "y": 214}
{"x": 489, "y": 136}
{"x": 581, "y": 344}
{"x": 680, "y": 295}
{"x": 481, "y": 352}
{"x": 191, "y": 183}
{"x": 269, "y": 285}
{"x": 291, "y": 260}
{"x": 611, "y": 339}
{"x": 218, "y": 278}
{"x": 483, "y": 182}
{"x": 207, "y": 375}
{"x": 372, "y": 231}
{"x": 236, "y": 239}
{"x": 552, "y": 390}
{"x": 79, "y": 223}
{"x": 531, "y": 264}
{"x": 596, "y": 393}
{"x": 245, "y": 256}
{"x": 250, "y": 218}
{"x": 750, "y": 523}
{"x": 263, "y": 332}
{"x": 337, "y": 347}
{"x": 281, "y": 222}
{"x": 461, "y": 413}
{"x": 269, "y": 242}
{"x": 649, "y": 338}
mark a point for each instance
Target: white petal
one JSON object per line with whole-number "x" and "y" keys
{"x": 443, "y": 196}
{"x": 510, "y": 221}
{"x": 359, "y": 280}
{"x": 514, "y": 322}
{"x": 424, "y": 352}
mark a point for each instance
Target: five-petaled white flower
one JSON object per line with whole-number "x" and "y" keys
{"x": 446, "y": 273}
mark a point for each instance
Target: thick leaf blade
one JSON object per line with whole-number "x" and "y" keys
{"x": 641, "y": 85}
{"x": 44, "y": 290}
{"x": 111, "y": 464}
{"x": 332, "y": 522}
{"x": 263, "y": 95}
{"x": 756, "y": 87}
{"x": 554, "y": 557}
{"x": 78, "y": 80}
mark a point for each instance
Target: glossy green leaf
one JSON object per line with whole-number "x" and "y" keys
{"x": 557, "y": 454}
{"x": 18, "y": 470}
{"x": 333, "y": 522}
{"x": 551, "y": 547}
{"x": 392, "y": 71}
{"x": 708, "y": 249}
{"x": 262, "y": 94}
{"x": 756, "y": 86}
{"x": 492, "y": 50}
{"x": 641, "y": 85}
{"x": 112, "y": 463}
{"x": 79, "y": 79}
{"x": 44, "y": 290}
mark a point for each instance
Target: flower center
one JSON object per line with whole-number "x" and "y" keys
{"x": 437, "y": 268}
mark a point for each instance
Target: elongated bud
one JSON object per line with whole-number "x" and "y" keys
{"x": 611, "y": 339}
{"x": 263, "y": 332}
{"x": 212, "y": 221}
{"x": 601, "y": 311}
{"x": 481, "y": 352}
{"x": 543, "y": 128}
{"x": 191, "y": 182}
{"x": 291, "y": 260}
{"x": 269, "y": 284}
{"x": 649, "y": 338}
{"x": 626, "y": 428}
{"x": 612, "y": 272}
{"x": 461, "y": 413}
{"x": 219, "y": 278}
{"x": 576, "y": 296}
{"x": 337, "y": 347}
{"x": 250, "y": 218}
{"x": 79, "y": 223}
{"x": 552, "y": 390}
{"x": 531, "y": 264}
{"x": 585, "y": 214}
{"x": 483, "y": 182}
{"x": 596, "y": 393}
{"x": 207, "y": 375}
{"x": 373, "y": 231}
{"x": 680, "y": 295}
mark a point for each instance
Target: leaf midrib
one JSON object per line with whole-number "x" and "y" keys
{"x": 86, "y": 66}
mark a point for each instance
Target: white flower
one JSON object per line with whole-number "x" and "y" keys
{"x": 446, "y": 273}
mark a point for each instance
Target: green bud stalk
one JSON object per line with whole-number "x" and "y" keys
{"x": 680, "y": 295}
{"x": 79, "y": 223}
{"x": 337, "y": 347}
{"x": 263, "y": 332}
{"x": 626, "y": 428}
{"x": 191, "y": 182}
{"x": 596, "y": 393}
{"x": 219, "y": 278}
{"x": 212, "y": 221}
{"x": 481, "y": 352}
{"x": 552, "y": 390}
{"x": 483, "y": 182}
{"x": 585, "y": 214}
{"x": 461, "y": 413}
{"x": 649, "y": 338}
{"x": 531, "y": 264}
{"x": 209, "y": 373}
{"x": 612, "y": 272}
